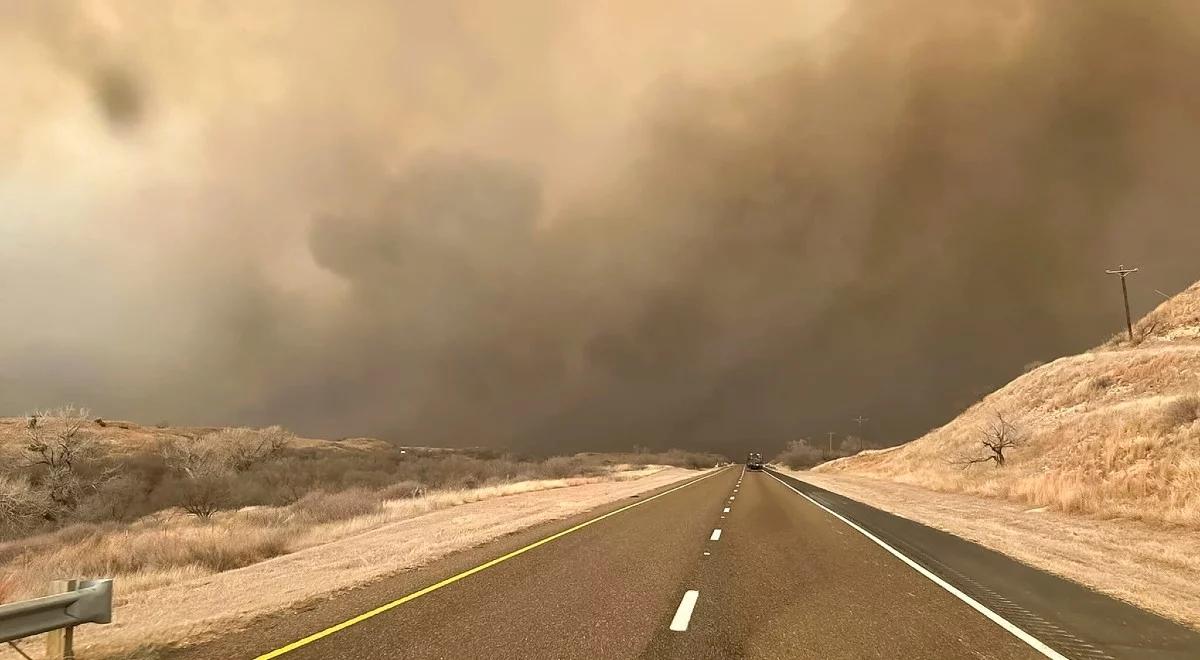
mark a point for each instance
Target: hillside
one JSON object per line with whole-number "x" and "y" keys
{"x": 1114, "y": 432}
{"x": 123, "y": 436}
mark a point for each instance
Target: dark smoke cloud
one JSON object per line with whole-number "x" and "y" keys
{"x": 888, "y": 219}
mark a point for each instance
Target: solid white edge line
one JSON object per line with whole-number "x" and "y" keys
{"x": 1035, "y": 643}
{"x": 683, "y": 615}
{"x": 716, "y": 535}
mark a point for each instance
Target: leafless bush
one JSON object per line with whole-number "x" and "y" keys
{"x": 322, "y": 507}
{"x": 22, "y": 506}
{"x": 115, "y": 499}
{"x": 208, "y": 464}
{"x": 560, "y": 467}
{"x": 1180, "y": 412}
{"x": 997, "y": 435}
{"x": 205, "y": 474}
{"x": 401, "y": 490}
{"x": 1142, "y": 331}
{"x": 203, "y": 495}
{"x": 247, "y": 447}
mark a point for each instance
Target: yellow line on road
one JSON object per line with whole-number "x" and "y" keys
{"x": 467, "y": 573}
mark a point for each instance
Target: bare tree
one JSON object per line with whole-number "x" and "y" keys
{"x": 205, "y": 473}
{"x": 998, "y": 435}
{"x": 56, "y": 439}
{"x": 246, "y": 447}
{"x": 208, "y": 463}
{"x": 56, "y": 442}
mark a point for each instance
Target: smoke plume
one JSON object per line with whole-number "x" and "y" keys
{"x": 556, "y": 228}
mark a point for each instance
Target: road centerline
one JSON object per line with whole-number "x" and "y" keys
{"x": 683, "y": 615}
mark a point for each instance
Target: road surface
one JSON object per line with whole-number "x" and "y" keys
{"x": 731, "y": 564}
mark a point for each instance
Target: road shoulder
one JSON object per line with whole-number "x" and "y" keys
{"x": 1073, "y": 619}
{"x": 1152, "y": 568}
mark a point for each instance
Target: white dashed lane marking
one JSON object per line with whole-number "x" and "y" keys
{"x": 683, "y": 615}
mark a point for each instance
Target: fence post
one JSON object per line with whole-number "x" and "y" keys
{"x": 60, "y": 644}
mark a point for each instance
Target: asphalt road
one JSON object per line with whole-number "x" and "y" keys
{"x": 672, "y": 574}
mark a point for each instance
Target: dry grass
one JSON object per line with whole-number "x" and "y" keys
{"x": 1110, "y": 435}
{"x": 1174, "y": 320}
{"x": 331, "y": 557}
{"x": 1154, "y": 568}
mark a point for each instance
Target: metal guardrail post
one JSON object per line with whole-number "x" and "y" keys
{"x": 60, "y": 643}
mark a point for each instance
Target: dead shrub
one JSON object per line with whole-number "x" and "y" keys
{"x": 208, "y": 465}
{"x": 22, "y": 507}
{"x": 561, "y": 467}
{"x": 402, "y": 490}
{"x": 229, "y": 552}
{"x": 321, "y": 507}
{"x": 1181, "y": 412}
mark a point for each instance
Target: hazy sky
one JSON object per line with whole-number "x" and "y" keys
{"x": 572, "y": 225}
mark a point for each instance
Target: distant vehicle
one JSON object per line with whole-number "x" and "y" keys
{"x": 754, "y": 461}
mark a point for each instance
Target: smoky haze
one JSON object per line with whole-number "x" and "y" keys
{"x": 554, "y": 228}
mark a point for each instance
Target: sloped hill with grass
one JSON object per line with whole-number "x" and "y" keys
{"x": 1114, "y": 432}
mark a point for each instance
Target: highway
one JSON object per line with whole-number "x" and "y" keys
{"x": 731, "y": 564}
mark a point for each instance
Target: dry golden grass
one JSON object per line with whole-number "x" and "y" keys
{"x": 1110, "y": 433}
{"x": 1177, "y": 319}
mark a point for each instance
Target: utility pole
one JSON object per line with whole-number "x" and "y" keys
{"x": 860, "y": 419}
{"x": 831, "y": 443}
{"x": 1125, "y": 272}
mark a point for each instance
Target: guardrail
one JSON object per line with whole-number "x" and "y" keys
{"x": 74, "y": 602}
